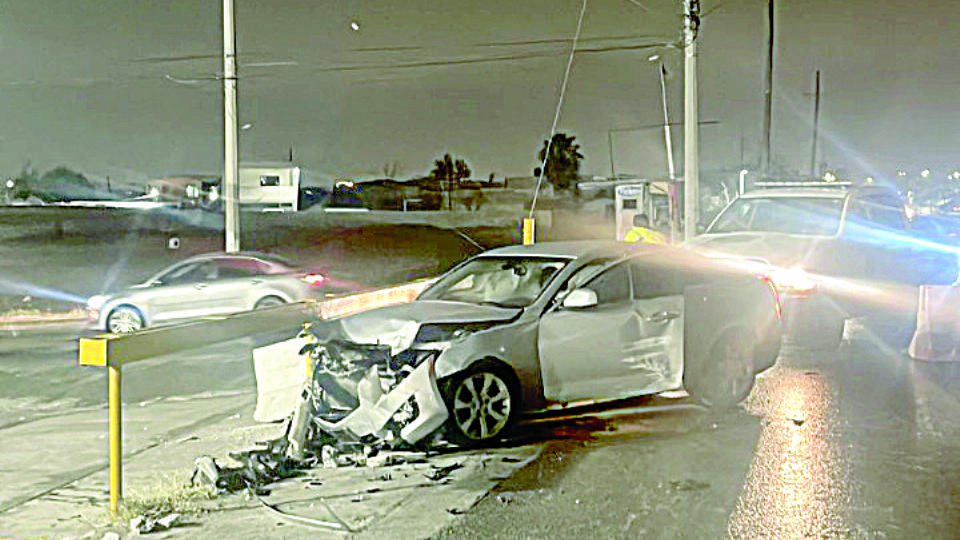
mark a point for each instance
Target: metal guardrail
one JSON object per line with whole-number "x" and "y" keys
{"x": 112, "y": 351}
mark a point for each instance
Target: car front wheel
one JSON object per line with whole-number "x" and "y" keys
{"x": 124, "y": 320}
{"x": 482, "y": 404}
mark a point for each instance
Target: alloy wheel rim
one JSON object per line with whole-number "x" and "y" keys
{"x": 482, "y": 406}
{"x": 124, "y": 321}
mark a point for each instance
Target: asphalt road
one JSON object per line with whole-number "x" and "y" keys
{"x": 861, "y": 443}
{"x": 858, "y": 443}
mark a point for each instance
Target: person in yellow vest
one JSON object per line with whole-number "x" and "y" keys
{"x": 641, "y": 233}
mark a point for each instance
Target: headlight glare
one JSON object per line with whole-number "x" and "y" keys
{"x": 794, "y": 281}
{"x": 96, "y": 302}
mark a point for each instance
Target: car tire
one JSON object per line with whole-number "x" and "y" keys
{"x": 124, "y": 320}
{"x": 482, "y": 403}
{"x": 268, "y": 301}
{"x": 728, "y": 375}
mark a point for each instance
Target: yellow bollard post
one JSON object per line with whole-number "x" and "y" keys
{"x": 528, "y": 230}
{"x": 116, "y": 472}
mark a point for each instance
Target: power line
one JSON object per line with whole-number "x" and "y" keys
{"x": 556, "y": 116}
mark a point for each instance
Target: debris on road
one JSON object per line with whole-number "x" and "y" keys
{"x": 153, "y": 522}
{"x": 359, "y": 409}
{"x": 439, "y": 473}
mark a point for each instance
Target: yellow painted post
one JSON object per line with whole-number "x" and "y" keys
{"x": 528, "y": 229}
{"x": 116, "y": 470}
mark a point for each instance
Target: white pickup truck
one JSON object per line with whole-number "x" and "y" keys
{"x": 834, "y": 253}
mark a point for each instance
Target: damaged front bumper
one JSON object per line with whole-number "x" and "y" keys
{"x": 362, "y": 393}
{"x": 412, "y": 410}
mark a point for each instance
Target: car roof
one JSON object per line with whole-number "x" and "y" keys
{"x": 573, "y": 249}
{"x": 824, "y": 193}
{"x": 268, "y": 257}
{"x": 816, "y": 192}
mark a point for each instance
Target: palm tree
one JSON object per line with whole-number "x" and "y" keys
{"x": 450, "y": 172}
{"x": 563, "y": 166}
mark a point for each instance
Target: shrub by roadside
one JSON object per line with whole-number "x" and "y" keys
{"x": 27, "y": 308}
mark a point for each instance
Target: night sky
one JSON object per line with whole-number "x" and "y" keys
{"x": 129, "y": 88}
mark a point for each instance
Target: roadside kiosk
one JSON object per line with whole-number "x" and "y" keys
{"x": 650, "y": 198}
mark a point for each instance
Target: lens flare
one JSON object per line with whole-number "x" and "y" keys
{"x": 23, "y": 288}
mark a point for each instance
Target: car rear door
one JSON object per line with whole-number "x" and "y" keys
{"x": 231, "y": 286}
{"x": 717, "y": 305}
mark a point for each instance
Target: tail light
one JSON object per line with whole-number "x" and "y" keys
{"x": 793, "y": 282}
{"x": 312, "y": 279}
{"x": 777, "y": 306}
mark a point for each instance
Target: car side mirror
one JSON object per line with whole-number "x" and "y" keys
{"x": 580, "y": 299}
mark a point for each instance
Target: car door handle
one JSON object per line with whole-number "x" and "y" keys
{"x": 199, "y": 286}
{"x": 663, "y": 316}
{"x": 256, "y": 281}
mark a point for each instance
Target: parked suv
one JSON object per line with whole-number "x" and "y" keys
{"x": 833, "y": 253}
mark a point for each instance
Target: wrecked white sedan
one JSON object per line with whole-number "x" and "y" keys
{"x": 527, "y": 328}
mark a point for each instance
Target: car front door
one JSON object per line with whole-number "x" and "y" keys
{"x": 181, "y": 292}
{"x": 621, "y": 347}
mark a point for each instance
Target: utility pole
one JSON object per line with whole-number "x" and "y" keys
{"x": 767, "y": 95}
{"x": 816, "y": 123}
{"x": 231, "y": 192}
{"x": 691, "y": 147}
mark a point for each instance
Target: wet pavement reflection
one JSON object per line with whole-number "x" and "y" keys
{"x": 857, "y": 443}
{"x": 798, "y": 484}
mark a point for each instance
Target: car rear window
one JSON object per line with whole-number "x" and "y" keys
{"x": 275, "y": 264}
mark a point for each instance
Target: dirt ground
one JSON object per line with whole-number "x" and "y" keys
{"x": 46, "y": 269}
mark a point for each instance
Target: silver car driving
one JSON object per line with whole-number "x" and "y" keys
{"x": 527, "y": 328}
{"x": 204, "y": 285}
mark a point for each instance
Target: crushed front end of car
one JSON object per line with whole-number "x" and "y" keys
{"x": 361, "y": 393}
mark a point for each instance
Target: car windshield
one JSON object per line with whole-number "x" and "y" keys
{"x": 499, "y": 281}
{"x": 818, "y": 216}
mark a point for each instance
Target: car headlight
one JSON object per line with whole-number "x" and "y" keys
{"x": 96, "y": 302}
{"x": 439, "y": 333}
{"x": 442, "y": 336}
{"x": 794, "y": 281}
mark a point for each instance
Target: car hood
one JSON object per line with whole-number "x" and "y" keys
{"x": 397, "y": 326}
{"x": 777, "y": 249}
